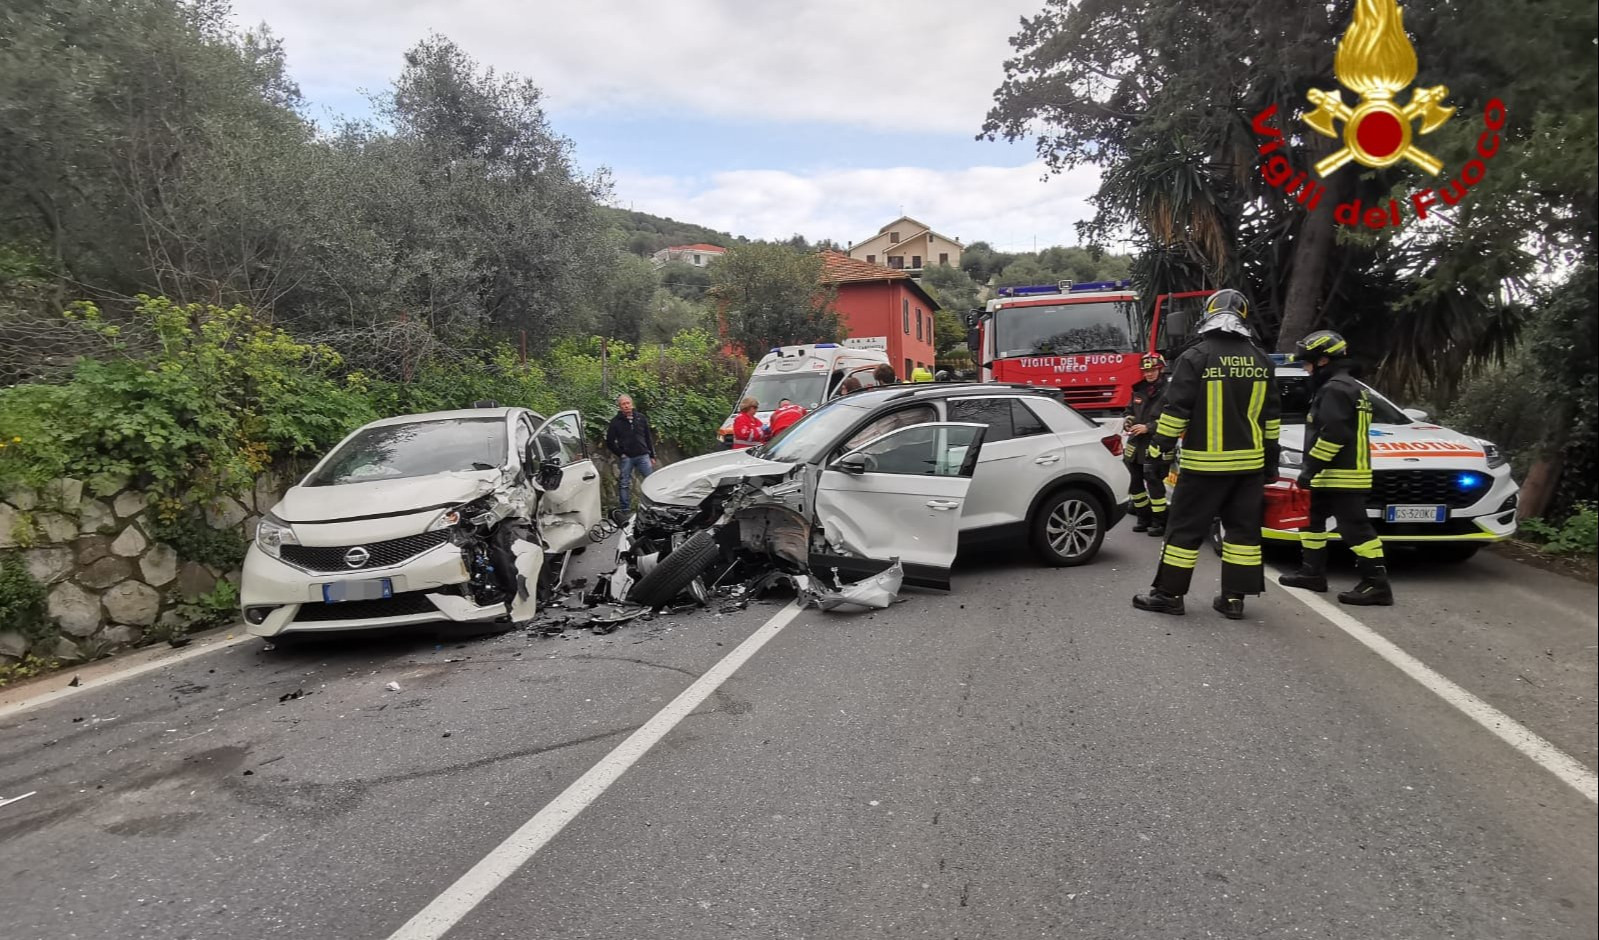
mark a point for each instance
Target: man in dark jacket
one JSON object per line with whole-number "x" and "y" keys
{"x": 1337, "y": 471}
{"x": 630, "y": 438}
{"x": 1222, "y": 401}
{"x": 1148, "y": 485}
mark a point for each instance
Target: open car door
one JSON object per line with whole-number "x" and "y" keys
{"x": 567, "y": 512}
{"x": 898, "y": 496}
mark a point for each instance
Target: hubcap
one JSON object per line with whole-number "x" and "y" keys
{"x": 1072, "y": 527}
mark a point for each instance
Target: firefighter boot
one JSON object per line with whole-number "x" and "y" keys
{"x": 1230, "y": 606}
{"x": 1142, "y": 525}
{"x": 1157, "y": 525}
{"x": 1159, "y": 602}
{"x": 1312, "y": 573}
{"x": 1373, "y": 589}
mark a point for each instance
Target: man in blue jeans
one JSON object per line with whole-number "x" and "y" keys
{"x": 629, "y": 437}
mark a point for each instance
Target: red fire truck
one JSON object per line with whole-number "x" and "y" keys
{"x": 1084, "y": 339}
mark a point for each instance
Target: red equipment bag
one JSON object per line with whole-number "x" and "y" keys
{"x": 1287, "y": 505}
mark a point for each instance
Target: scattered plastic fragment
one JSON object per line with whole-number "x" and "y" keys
{"x": 291, "y": 696}
{"x": 873, "y": 593}
{"x": 393, "y": 687}
{"x": 4, "y": 801}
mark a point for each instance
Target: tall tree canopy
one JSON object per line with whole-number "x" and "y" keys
{"x": 772, "y": 295}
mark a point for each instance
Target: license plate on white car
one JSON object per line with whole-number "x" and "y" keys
{"x": 340, "y": 591}
{"x": 1417, "y": 513}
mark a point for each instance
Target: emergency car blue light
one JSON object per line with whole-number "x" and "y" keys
{"x": 1471, "y": 481}
{"x": 1101, "y": 285}
{"x": 1281, "y": 359}
{"x": 826, "y": 345}
{"x": 1029, "y": 290}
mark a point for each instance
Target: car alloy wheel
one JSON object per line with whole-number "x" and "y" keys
{"x": 1072, "y": 527}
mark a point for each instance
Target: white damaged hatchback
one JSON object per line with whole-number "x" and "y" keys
{"x": 448, "y": 516}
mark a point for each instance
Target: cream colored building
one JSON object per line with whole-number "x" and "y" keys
{"x": 908, "y": 245}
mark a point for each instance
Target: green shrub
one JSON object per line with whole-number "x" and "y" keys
{"x": 194, "y": 540}
{"x": 28, "y": 667}
{"x": 1578, "y": 535}
{"x": 23, "y": 601}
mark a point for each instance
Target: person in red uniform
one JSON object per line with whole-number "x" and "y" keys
{"x": 748, "y": 429}
{"x": 786, "y": 414}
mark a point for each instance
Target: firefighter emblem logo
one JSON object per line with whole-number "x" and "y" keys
{"x": 1376, "y": 61}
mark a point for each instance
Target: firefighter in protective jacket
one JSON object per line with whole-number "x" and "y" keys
{"x": 1222, "y": 401}
{"x": 1337, "y": 471}
{"x": 1148, "y": 486}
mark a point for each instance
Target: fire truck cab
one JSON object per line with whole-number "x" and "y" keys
{"x": 1084, "y": 339}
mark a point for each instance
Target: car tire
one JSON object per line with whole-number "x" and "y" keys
{"x": 1452, "y": 552}
{"x": 1068, "y": 527}
{"x": 676, "y": 571}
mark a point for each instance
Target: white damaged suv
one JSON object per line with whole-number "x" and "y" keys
{"x": 447, "y": 516}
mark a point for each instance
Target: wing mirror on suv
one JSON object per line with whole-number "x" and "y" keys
{"x": 1415, "y": 414}
{"x": 851, "y": 463}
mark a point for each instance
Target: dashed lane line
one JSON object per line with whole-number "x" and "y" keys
{"x": 458, "y": 900}
{"x": 1571, "y": 771}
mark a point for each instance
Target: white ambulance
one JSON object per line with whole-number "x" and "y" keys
{"x": 809, "y": 375}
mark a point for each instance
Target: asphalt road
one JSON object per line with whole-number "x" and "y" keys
{"x": 1024, "y": 757}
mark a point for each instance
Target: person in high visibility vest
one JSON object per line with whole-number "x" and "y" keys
{"x": 786, "y": 414}
{"x": 747, "y": 429}
{"x": 1222, "y": 401}
{"x": 1337, "y": 471}
{"x": 920, "y": 374}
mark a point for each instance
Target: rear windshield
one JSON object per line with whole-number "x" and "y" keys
{"x": 399, "y": 451}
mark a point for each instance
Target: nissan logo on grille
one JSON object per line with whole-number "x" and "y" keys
{"x": 357, "y": 557}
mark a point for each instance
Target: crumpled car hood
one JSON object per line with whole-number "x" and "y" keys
{"x": 688, "y": 482}
{"x": 382, "y": 497}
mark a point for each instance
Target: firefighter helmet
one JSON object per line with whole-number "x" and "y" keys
{"x": 1321, "y": 343}
{"x": 1225, "y": 310}
{"x": 1152, "y": 361}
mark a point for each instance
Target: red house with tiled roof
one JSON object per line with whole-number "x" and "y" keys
{"x": 879, "y": 302}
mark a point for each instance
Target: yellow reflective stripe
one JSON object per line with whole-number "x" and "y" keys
{"x": 1140, "y": 499}
{"x": 1370, "y": 549}
{"x": 1342, "y": 479}
{"x": 1274, "y": 429}
{"x": 1240, "y": 554}
{"x": 1259, "y": 463}
{"x": 1158, "y": 504}
{"x": 1179, "y": 557}
{"x": 1363, "y": 453}
{"x": 1213, "y": 439}
{"x": 1325, "y": 450}
{"x": 1171, "y": 426}
{"x": 1257, "y": 401}
{"x": 1154, "y": 452}
{"x": 1313, "y": 540}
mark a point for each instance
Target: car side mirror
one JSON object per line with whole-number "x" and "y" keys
{"x": 851, "y": 463}
{"x": 1415, "y": 414}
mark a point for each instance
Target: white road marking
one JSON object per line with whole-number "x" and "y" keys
{"x": 1570, "y": 770}
{"x": 99, "y": 680}
{"x": 458, "y": 900}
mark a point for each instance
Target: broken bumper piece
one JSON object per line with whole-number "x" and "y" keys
{"x": 874, "y": 593}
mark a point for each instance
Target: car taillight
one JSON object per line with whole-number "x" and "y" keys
{"x": 1113, "y": 443}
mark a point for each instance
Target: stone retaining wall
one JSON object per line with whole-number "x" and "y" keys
{"x": 109, "y": 581}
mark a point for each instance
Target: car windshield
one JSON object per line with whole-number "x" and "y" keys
{"x": 419, "y": 449}
{"x": 807, "y": 441}
{"x": 803, "y": 390}
{"x": 1295, "y": 392}
{"x": 1064, "y": 329}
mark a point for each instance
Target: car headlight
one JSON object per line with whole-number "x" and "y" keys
{"x": 447, "y": 519}
{"x": 1496, "y": 457}
{"x": 272, "y": 533}
{"x": 1291, "y": 458}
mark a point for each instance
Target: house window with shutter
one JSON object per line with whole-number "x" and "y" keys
{"x": 905, "y": 311}
{"x": 893, "y": 238}
{"x": 943, "y": 257}
{"x": 916, "y": 261}
{"x": 918, "y": 322}
{"x": 871, "y": 259}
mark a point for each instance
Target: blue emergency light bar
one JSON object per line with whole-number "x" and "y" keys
{"x": 1033, "y": 290}
{"x": 1281, "y": 359}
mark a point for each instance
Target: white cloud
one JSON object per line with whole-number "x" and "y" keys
{"x": 1008, "y": 207}
{"x": 928, "y": 66}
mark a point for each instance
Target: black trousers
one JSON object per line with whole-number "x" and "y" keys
{"x": 1148, "y": 490}
{"x": 1240, "y": 502}
{"x": 1347, "y": 509}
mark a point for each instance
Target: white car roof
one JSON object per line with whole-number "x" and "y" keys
{"x": 457, "y": 415}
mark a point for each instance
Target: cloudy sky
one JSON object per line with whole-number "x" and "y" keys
{"x": 820, "y": 117}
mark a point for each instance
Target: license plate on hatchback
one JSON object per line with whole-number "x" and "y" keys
{"x": 1417, "y": 513}
{"x": 340, "y": 591}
